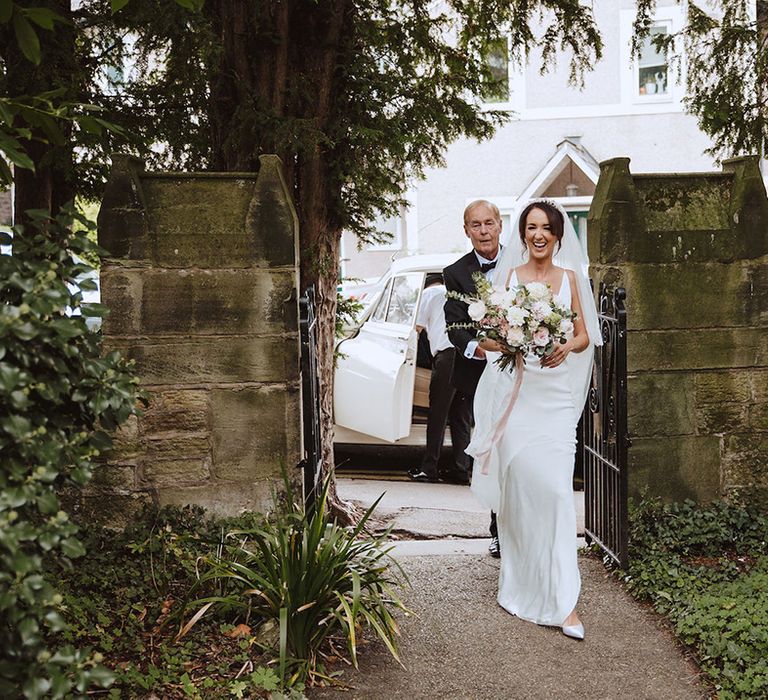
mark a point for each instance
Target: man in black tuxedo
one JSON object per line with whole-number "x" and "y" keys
{"x": 482, "y": 225}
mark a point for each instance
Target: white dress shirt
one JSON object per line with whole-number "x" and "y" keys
{"x": 432, "y": 318}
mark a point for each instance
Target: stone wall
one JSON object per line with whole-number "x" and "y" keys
{"x": 202, "y": 283}
{"x": 691, "y": 251}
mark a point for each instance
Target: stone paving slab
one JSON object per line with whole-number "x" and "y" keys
{"x": 429, "y": 510}
{"x": 460, "y": 644}
{"x": 428, "y": 548}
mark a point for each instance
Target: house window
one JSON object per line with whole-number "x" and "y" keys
{"x": 497, "y": 60}
{"x": 652, "y": 65}
{"x": 390, "y": 225}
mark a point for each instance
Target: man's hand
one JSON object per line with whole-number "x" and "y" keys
{"x": 489, "y": 345}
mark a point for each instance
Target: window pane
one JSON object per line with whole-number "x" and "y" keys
{"x": 498, "y": 64}
{"x": 405, "y": 293}
{"x": 392, "y": 226}
{"x": 389, "y": 225}
{"x": 381, "y": 307}
{"x": 652, "y": 64}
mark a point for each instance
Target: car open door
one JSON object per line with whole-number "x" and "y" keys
{"x": 373, "y": 382}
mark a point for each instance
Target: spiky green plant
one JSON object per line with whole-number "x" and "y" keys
{"x": 311, "y": 577}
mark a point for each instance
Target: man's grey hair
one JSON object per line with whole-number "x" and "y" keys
{"x": 482, "y": 203}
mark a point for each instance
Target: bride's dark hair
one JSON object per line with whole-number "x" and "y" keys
{"x": 555, "y": 217}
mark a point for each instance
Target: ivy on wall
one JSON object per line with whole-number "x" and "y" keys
{"x": 58, "y": 397}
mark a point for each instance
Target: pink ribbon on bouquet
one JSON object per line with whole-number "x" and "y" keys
{"x": 484, "y": 455}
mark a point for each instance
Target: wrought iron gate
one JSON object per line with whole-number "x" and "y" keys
{"x": 311, "y": 461}
{"x": 603, "y": 434}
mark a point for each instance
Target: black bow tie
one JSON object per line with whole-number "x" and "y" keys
{"x": 484, "y": 267}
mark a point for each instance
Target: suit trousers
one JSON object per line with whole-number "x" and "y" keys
{"x": 447, "y": 406}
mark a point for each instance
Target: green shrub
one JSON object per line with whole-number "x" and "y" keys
{"x": 59, "y": 396}
{"x": 124, "y": 593}
{"x": 309, "y": 577}
{"x": 706, "y": 569}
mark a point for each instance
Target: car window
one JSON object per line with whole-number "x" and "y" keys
{"x": 380, "y": 312}
{"x": 402, "y": 303}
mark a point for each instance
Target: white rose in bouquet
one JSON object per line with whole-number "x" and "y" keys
{"x": 477, "y": 310}
{"x": 516, "y": 315}
{"x": 538, "y": 291}
{"x": 515, "y": 336}
{"x": 500, "y": 296}
{"x": 566, "y": 326}
{"x": 540, "y": 310}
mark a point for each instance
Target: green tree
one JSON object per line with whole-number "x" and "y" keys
{"x": 725, "y": 49}
{"x": 355, "y": 96}
{"x": 57, "y": 393}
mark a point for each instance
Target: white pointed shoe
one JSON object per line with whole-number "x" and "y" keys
{"x": 574, "y": 631}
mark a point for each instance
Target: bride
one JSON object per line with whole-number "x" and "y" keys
{"x": 524, "y": 467}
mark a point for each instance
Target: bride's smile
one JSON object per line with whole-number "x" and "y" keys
{"x": 539, "y": 238}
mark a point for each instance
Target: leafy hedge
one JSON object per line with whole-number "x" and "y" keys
{"x": 58, "y": 396}
{"x": 706, "y": 569}
{"x": 124, "y": 600}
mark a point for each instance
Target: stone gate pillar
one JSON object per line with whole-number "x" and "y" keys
{"x": 202, "y": 283}
{"x": 691, "y": 251}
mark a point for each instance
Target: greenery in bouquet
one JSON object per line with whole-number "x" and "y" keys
{"x": 526, "y": 319}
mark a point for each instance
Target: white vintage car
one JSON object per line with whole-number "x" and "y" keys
{"x": 380, "y": 396}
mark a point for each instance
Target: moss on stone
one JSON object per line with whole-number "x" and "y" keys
{"x": 254, "y": 430}
{"x": 675, "y": 468}
{"x": 688, "y": 295}
{"x": 175, "y": 472}
{"x": 661, "y": 404}
{"x": 685, "y": 202}
{"x": 705, "y": 348}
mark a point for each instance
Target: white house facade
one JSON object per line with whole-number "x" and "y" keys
{"x": 553, "y": 144}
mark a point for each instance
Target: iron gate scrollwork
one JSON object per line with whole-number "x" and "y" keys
{"x": 311, "y": 461}
{"x": 604, "y": 437}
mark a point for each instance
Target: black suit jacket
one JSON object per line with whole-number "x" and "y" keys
{"x": 458, "y": 278}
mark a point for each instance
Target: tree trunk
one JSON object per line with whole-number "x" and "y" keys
{"x": 327, "y": 28}
{"x": 273, "y": 91}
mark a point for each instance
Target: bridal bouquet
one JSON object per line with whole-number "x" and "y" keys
{"x": 525, "y": 319}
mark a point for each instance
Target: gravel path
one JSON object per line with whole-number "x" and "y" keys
{"x": 461, "y": 644}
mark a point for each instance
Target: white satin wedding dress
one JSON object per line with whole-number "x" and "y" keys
{"x": 539, "y": 579}
{"x": 524, "y": 470}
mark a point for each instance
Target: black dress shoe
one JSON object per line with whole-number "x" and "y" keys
{"x": 420, "y": 475}
{"x": 493, "y": 548}
{"x": 455, "y": 478}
